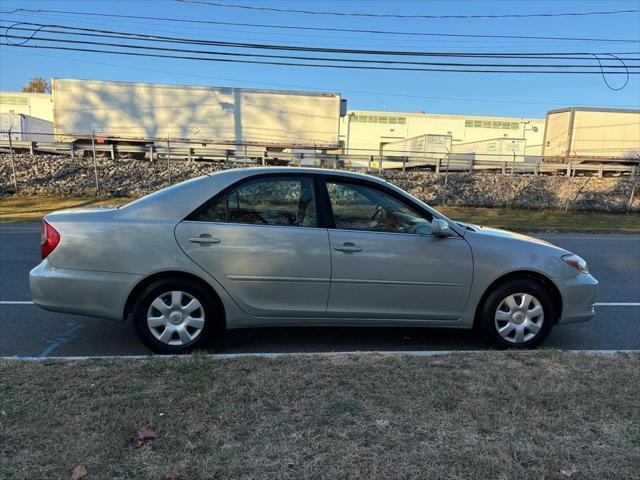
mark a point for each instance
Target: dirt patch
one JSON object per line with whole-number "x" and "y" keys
{"x": 493, "y": 415}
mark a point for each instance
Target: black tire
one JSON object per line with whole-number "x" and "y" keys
{"x": 488, "y": 311}
{"x": 213, "y": 315}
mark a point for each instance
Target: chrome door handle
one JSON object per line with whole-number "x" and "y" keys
{"x": 348, "y": 247}
{"x": 204, "y": 239}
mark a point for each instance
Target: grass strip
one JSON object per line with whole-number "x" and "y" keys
{"x": 32, "y": 209}
{"x": 29, "y": 209}
{"x": 542, "y": 414}
{"x": 546, "y": 220}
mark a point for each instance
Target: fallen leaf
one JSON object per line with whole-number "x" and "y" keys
{"x": 285, "y": 409}
{"x": 144, "y": 434}
{"x": 78, "y": 472}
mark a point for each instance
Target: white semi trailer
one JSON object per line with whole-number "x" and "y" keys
{"x": 143, "y": 112}
{"x": 501, "y": 149}
{"x": 581, "y": 134}
{"x": 416, "y": 151}
{"x": 25, "y": 128}
{"x": 425, "y": 146}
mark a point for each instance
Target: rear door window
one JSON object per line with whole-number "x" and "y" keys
{"x": 279, "y": 201}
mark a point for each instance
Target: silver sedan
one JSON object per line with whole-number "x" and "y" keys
{"x": 260, "y": 247}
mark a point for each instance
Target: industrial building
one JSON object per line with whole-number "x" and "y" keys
{"x": 366, "y": 132}
{"x": 38, "y": 105}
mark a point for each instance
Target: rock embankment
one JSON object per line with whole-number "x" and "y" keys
{"x": 62, "y": 175}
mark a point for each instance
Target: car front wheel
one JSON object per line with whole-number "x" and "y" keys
{"x": 518, "y": 314}
{"x": 175, "y": 316}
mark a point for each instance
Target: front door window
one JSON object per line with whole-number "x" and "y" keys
{"x": 360, "y": 207}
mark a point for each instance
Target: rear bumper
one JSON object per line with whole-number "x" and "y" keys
{"x": 80, "y": 292}
{"x": 579, "y": 295}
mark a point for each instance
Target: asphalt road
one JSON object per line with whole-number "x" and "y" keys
{"x": 25, "y": 330}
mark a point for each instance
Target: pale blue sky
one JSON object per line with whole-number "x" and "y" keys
{"x": 478, "y": 94}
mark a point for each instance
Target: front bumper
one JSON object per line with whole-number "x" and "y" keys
{"x": 579, "y": 295}
{"x": 81, "y": 292}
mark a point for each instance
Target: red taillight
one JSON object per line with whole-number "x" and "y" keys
{"x": 49, "y": 240}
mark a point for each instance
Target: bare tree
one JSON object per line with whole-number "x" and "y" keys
{"x": 37, "y": 85}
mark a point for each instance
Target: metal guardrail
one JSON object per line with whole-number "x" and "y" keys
{"x": 371, "y": 163}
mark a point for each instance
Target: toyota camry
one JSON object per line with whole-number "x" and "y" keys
{"x": 259, "y": 247}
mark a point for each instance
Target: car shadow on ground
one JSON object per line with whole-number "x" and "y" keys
{"x": 347, "y": 339}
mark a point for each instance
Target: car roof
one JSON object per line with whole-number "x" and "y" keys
{"x": 244, "y": 172}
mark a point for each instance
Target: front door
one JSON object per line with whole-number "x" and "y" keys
{"x": 260, "y": 240}
{"x": 385, "y": 262}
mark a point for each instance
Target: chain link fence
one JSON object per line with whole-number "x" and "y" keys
{"x": 100, "y": 173}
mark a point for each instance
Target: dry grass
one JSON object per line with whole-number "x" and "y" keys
{"x": 497, "y": 415}
{"x": 31, "y": 209}
{"x": 546, "y": 220}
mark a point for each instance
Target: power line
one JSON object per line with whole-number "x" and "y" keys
{"x": 312, "y": 65}
{"x": 316, "y": 88}
{"x": 291, "y": 57}
{"x": 532, "y": 55}
{"x": 328, "y": 29}
{"x": 395, "y": 15}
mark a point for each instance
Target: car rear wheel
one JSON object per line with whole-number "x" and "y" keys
{"x": 175, "y": 316}
{"x": 518, "y": 314}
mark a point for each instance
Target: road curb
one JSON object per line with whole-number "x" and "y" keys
{"x": 226, "y": 356}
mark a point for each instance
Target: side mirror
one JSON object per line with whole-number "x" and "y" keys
{"x": 440, "y": 228}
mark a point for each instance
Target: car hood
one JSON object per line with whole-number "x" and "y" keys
{"x": 505, "y": 234}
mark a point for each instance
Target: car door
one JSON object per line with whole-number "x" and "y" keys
{"x": 385, "y": 262}
{"x": 261, "y": 241}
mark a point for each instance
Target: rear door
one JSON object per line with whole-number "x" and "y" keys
{"x": 385, "y": 262}
{"x": 261, "y": 240}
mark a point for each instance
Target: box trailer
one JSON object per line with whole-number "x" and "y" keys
{"x": 580, "y": 134}
{"x": 143, "y": 112}
{"x": 501, "y": 149}
{"x": 415, "y": 151}
{"x": 425, "y": 146}
{"x": 25, "y": 128}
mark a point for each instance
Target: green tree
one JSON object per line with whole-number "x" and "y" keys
{"x": 37, "y": 85}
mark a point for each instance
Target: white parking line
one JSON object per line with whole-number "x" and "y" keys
{"x": 618, "y": 304}
{"x": 600, "y": 304}
{"x": 19, "y": 229}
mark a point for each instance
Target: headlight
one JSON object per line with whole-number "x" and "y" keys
{"x": 576, "y": 262}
